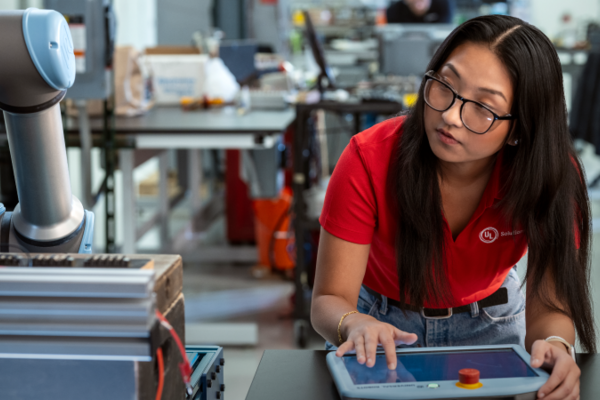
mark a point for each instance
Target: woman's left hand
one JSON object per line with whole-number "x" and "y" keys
{"x": 563, "y": 383}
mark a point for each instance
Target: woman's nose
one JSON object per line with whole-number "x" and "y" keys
{"x": 452, "y": 115}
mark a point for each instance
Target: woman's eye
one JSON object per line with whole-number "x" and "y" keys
{"x": 447, "y": 82}
{"x": 444, "y": 89}
{"x": 488, "y": 106}
{"x": 482, "y": 110}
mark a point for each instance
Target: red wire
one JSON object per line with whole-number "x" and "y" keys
{"x": 184, "y": 366}
{"x": 161, "y": 373}
{"x": 173, "y": 333}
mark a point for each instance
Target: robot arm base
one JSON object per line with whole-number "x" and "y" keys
{"x": 79, "y": 241}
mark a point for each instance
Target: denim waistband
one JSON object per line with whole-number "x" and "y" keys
{"x": 499, "y": 297}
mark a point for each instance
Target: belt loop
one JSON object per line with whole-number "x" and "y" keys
{"x": 384, "y": 305}
{"x": 474, "y": 310}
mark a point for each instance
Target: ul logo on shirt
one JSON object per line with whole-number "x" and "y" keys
{"x": 489, "y": 235}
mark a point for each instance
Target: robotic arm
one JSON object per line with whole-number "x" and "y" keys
{"x": 38, "y": 67}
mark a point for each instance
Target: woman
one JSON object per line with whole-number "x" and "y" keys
{"x": 431, "y": 212}
{"x": 421, "y": 11}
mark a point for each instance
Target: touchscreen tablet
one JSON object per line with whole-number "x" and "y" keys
{"x": 442, "y": 366}
{"x": 502, "y": 372}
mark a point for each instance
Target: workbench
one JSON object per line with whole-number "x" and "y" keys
{"x": 164, "y": 128}
{"x": 303, "y": 374}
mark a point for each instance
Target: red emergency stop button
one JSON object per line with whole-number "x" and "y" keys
{"x": 468, "y": 378}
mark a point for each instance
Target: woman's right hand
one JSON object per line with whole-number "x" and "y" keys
{"x": 364, "y": 333}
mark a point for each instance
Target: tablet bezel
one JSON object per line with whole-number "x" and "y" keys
{"x": 389, "y": 391}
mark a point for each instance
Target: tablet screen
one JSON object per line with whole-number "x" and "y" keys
{"x": 442, "y": 366}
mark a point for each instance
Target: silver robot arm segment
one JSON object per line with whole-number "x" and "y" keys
{"x": 38, "y": 67}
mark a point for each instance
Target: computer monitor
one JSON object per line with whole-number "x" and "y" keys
{"x": 238, "y": 56}
{"x": 405, "y": 49}
{"x": 317, "y": 50}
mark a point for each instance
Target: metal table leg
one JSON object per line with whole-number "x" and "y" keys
{"x": 85, "y": 136}
{"x": 110, "y": 164}
{"x": 163, "y": 196}
{"x": 194, "y": 180}
{"x": 126, "y": 161}
{"x": 301, "y": 324}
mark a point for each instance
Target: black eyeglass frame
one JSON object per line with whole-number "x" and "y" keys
{"x": 429, "y": 75}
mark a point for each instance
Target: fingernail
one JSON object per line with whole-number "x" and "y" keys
{"x": 535, "y": 361}
{"x": 392, "y": 366}
{"x": 369, "y": 361}
{"x": 541, "y": 395}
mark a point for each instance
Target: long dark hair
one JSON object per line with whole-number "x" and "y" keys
{"x": 544, "y": 186}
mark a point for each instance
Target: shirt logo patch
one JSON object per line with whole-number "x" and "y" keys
{"x": 489, "y": 235}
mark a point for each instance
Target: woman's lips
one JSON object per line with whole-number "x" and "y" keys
{"x": 446, "y": 137}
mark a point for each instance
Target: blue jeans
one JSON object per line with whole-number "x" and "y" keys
{"x": 502, "y": 324}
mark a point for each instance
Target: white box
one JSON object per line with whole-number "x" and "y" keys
{"x": 176, "y": 75}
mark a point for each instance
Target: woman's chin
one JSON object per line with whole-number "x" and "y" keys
{"x": 445, "y": 152}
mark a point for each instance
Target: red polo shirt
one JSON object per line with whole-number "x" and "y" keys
{"x": 357, "y": 210}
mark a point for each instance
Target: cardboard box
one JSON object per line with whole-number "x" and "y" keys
{"x": 176, "y": 75}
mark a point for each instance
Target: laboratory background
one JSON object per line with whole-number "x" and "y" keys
{"x": 188, "y": 162}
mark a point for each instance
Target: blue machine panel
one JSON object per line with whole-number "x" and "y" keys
{"x": 207, "y": 364}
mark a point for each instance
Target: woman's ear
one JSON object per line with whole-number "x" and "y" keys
{"x": 512, "y": 136}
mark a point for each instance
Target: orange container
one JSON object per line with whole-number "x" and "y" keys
{"x": 274, "y": 237}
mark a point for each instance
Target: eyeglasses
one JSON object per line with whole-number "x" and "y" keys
{"x": 475, "y": 116}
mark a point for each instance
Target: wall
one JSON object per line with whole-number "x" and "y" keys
{"x": 136, "y": 23}
{"x": 229, "y": 17}
{"x": 178, "y": 19}
{"x": 546, "y": 14}
{"x": 9, "y": 4}
{"x": 20, "y": 4}
{"x": 136, "y": 19}
{"x": 270, "y": 24}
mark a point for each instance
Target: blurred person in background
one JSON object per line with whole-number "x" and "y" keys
{"x": 421, "y": 11}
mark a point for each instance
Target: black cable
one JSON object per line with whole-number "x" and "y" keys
{"x": 101, "y": 190}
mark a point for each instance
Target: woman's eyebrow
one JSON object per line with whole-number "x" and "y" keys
{"x": 491, "y": 91}
{"x": 453, "y": 69}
